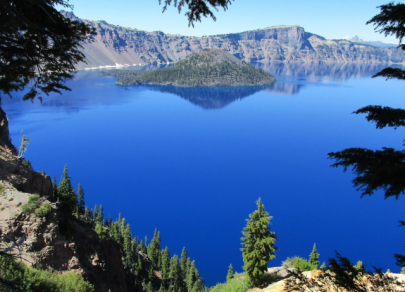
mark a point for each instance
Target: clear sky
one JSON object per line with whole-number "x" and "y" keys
{"x": 331, "y": 19}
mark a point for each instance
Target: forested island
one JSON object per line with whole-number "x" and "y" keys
{"x": 209, "y": 67}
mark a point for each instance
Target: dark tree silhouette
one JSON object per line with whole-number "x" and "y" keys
{"x": 380, "y": 169}
{"x": 196, "y": 8}
{"x": 39, "y": 45}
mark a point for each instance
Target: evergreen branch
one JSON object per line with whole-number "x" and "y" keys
{"x": 384, "y": 116}
{"x": 390, "y": 21}
{"x": 380, "y": 169}
{"x": 391, "y": 73}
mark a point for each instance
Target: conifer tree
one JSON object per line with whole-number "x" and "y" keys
{"x": 258, "y": 243}
{"x": 151, "y": 274}
{"x": 360, "y": 267}
{"x": 140, "y": 268}
{"x": 154, "y": 249}
{"x": 127, "y": 245}
{"x": 175, "y": 275}
{"x": 87, "y": 214}
{"x": 192, "y": 276}
{"x": 109, "y": 220}
{"x": 113, "y": 231}
{"x": 80, "y": 193}
{"x": 141, "y": 246}
{"x": 323, "y": 267}
{"x": 230, "y": 273}
{"x": 150, "y": 287}
{"x": 313, "y": 257}
{"x": 100, "y": 230}
{"x": 100, "y": 215}
{"x": 66, "y": 193}
{"x": 165, "y": 267}
{"x": 95, "y": 212}
{"x": 77, "y": 212}
{"x": 183, "y": 262}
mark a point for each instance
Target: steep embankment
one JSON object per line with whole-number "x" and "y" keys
{"x": 99, "y": 261}
{"x": 289, "y": 43}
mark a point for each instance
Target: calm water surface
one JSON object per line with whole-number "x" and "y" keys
{"x": 192, "y": 162}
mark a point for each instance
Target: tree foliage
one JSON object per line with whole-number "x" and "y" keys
{"x": 380, "y": 169}
{"x": 229, "y": 276}
{"x": 258, "y": 243}
{"x": 66, "y": 193}
{"x": 39, "y": 45}
{"x": 196, "y": 8}
{"x": 314, "y": 257}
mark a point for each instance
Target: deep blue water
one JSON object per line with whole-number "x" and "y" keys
{"x": 192, "y": 163}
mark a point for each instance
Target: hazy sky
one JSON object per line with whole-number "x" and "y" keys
{"x": 331, "y": 19}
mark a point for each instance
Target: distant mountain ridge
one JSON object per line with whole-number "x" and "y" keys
{"x": 118, "y": 46}
{"x": 356, "y": 39}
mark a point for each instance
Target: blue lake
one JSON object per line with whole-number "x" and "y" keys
{"x": 193, "y": 162}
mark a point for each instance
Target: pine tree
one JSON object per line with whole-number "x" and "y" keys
{"x": 80, "y": 193}
{"x": 140, "y": 268}
{"x": 192, "y": 276}
{"x": 87, "y": 215}
{"x": 183, "y": 262}
{"x": 151, "y": 274}
{"x": 154, "y": 249}
{"x": 66, "y": 193}
{"x": 323, "y": 267}
{"x": 95, "y": 212}
{"x": 165, "y": 267}
{"x": 150, "y": 287}
{"x": 230, "y": 273}
{"x": 77, "y": 212}
{"x": 175, "y": 274}
{"x": 313, "y": 257}
{"x": 360, "y": 267}
{"x": 100, "y": 230}
{"x": 127, "y": 245}
{"x": 109, "y": 220}
{"x": 258, "y": 243}
{"x": 100, "y": 215}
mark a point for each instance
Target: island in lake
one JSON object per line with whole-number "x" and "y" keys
{"x": 209, "y": 67}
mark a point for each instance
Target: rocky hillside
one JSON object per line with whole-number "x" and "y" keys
{"x": 43, "y": 244}
{"x": 115, "y": 45}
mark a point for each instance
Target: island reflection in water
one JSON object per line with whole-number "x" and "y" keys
{"x": 299, "y": 75}
{"x": 210, "y": 97}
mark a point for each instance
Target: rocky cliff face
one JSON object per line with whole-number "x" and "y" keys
{"x": 289, "y": 43}
{"x": 13, "y": 173}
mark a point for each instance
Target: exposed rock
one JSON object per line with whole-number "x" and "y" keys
{"x": 5, "y": 134}
{"x": 14, "y": 173}
{"x": 287, "y": 43}
{"x": 99, "y": 261}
